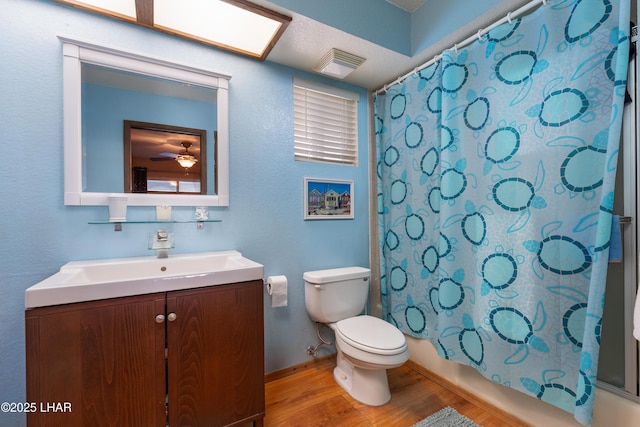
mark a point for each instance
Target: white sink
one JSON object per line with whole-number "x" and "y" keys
{"x": 79, "y": 281}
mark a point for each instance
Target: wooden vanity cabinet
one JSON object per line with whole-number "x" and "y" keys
{"x": 216, "y": 356}
{"x": 181, "y": 358}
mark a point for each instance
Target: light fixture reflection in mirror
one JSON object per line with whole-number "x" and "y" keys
{"x": 185, "y": 158}
{"x": 164, "y": 159}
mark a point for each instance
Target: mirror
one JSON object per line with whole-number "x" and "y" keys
{"x": 113, "y": 97}
{"x": 106, "y": 91}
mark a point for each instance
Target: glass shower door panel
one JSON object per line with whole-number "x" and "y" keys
{"x": 618, "y": 362}
{"x": 611, "y": 366}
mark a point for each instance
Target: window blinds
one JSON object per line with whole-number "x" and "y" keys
{"x": 325, "y": 126}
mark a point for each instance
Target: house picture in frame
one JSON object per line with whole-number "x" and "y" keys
{"x": 328, "y": 199}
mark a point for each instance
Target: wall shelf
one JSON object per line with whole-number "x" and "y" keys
{"x": 117, "y": 225}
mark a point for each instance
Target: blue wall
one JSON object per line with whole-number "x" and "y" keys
{"x": 377, "y": 21}
{"x": 38, "y": 233}
{"x": 386, "y": 25}
{"x": 435, "y": 20}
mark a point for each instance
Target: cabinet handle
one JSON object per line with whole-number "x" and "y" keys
{"x": 172, "y": 317}
{"x": 160, "y": 318}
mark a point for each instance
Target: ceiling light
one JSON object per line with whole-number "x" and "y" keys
{"x": 236, "y": 25}
{"x": 185, "y": 158}
{"x": 123, "y": 7}
{"x": 225, "y": 24}
{"x": 338, "y": 63}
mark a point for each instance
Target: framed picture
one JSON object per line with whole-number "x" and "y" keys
{"x": 328, "y": 199}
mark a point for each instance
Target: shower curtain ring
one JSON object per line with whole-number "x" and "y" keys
{"x": 544, "y": 2}
{"x": 480, "y": 35}
{"x": 509, "y": 18}
{"x": 455, "y": 48}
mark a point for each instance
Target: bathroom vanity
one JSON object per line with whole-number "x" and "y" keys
{"x": 178, "y": 357}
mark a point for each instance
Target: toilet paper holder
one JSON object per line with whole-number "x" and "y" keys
{"x": 276, "y": 286}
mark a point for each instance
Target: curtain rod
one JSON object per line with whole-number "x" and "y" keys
{"x": 478, "y": 36}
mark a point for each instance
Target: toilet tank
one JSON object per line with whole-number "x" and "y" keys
{"x": 336, "y": 294}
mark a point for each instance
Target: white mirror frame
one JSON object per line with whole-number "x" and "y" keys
{"x": 77, "y": 52}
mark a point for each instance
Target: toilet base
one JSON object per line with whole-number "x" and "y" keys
{"x": 368, "y": 386}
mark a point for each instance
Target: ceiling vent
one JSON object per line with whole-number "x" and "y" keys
{"x": 338, "y": 63}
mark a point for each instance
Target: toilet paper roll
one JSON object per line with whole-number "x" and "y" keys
{"x": 277, "y": 288}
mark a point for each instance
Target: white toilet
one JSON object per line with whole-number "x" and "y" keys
{"x": 367, "y": 346}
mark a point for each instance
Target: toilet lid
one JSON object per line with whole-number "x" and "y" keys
{"x": 370, "y": 333}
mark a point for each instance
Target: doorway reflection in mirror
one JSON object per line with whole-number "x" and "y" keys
{"x": 164, "y": 159}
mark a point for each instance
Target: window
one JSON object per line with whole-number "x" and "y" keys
{"x": 172, "y": 186}
{"x": 325, "y": 122}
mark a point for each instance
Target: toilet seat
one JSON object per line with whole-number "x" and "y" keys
{"x": 372, "y": 335}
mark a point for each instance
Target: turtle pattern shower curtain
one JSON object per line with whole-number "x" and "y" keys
{"x": 496, "y": 170}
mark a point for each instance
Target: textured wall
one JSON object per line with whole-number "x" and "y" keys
{"x": 38, "y": 233}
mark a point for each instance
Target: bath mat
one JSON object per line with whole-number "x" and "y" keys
{"x": 447, "y": 417}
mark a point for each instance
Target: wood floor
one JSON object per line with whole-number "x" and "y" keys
{"x": 310, "y": 397}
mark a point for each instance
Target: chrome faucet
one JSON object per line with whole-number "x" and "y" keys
{"x": 162, "y": 236}
{"x": 161, "y": 242}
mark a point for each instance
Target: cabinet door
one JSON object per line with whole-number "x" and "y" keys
{"x": 216, "y": 355}
{"x": 103, "y": 361}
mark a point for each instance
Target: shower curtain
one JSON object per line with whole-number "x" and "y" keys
{"x": 496, "y": 170}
